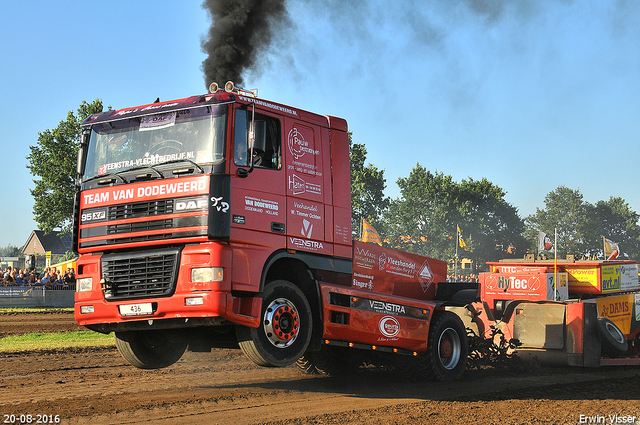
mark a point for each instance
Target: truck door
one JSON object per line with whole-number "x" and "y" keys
{"x": 309, "y": 218}
{"x": 257, "y": 181}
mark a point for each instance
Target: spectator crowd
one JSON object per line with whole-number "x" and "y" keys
{"x": 50, "y": 278}
{"x": 471, "y": 278}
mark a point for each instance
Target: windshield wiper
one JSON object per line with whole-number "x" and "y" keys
{"x": 141, "y": 167}
{"x": 105, "y": 177}
{"x": 173, "y": 161}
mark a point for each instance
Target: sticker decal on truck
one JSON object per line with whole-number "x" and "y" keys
{"x": 389, "y": 326}
{"x": 389, "y": 308}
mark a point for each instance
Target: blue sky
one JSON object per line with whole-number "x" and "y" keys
{"x": 529, "y": 94}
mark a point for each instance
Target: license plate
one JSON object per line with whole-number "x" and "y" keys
{"x": 135, "y": 309}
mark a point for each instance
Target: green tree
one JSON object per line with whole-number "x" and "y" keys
{"x": 10, "y": 251}
{"x": 582, "y": 225}
{"x": 425, "y": 218}
{"x": 614, "y": 220}
{"x": 69, "y": 255}
{"x": 53, "y": 162}
{"x": 491, "y": 223}
{"x": 566, "y": 211}
{"x": 367, "y": 188}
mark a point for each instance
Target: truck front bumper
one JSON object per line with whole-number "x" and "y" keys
{"x": 190, "y": 304}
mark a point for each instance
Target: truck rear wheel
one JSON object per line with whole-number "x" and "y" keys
{"x": 612, "y": 340}
{"x": 285, "y": 330}
{"x": 151, "y": 349}
{"x": 447, "y": 348}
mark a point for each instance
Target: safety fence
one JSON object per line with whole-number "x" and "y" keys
{"x": 34, "y": 296}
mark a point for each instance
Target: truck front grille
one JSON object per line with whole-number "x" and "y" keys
{"x": 142, "y": 226}
{"x": 140, "y": 275}
{"x": 140, "y": 209}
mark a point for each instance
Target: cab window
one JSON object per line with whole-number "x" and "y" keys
{"x": 267, "y": 147}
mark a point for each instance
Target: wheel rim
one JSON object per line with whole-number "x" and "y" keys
{"x": 281, "y": 323}
{"x": 449, "y": 348}
{"x": 615, "y": 332}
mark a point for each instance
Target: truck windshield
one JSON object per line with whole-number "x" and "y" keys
{"x": 195, "y": 135}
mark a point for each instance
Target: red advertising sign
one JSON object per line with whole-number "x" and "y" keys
{"x": 386, "y": 270}
{"x": 145, "y": 191}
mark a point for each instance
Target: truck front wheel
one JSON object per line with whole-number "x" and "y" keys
{"x": 447, "y": 348}
{"x": 285, "y": 330}
{"x": 151, "y": 349}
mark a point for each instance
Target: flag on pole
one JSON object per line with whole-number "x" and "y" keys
{"x": 611, "y": 249}
{"x": 544, "y": 242}
{"x": 460, "y": 240}
{"x": 369, "y": 234}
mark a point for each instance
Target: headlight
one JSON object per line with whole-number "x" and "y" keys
{"x": 84, "y": 284}
{"x": 86, "y": 309}
{"x": 207, "y": 274}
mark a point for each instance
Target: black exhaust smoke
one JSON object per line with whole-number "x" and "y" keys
{"x": 241, "y": 30}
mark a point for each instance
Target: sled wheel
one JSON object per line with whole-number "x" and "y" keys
{"x": 285, "y": 330}
{"x": 151, "y": 349}
{"x": 447, "y": 348}
{"x": 613, "y": 342}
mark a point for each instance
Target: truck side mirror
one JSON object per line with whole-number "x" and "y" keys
{"x": 82, "y": 151}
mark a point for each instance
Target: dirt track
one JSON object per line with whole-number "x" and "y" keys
{"x": 97, "y": 386}
{"x": 46, "y": 321}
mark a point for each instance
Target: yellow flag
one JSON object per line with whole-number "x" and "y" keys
{"x": 611, "y": 250}
{"x": 460, "y": 240}
{"x": 369, "y": 234}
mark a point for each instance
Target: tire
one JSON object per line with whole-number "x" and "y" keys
{"x": 612, "y": 340}
{"x": 285, "y": 330}
{"x": 329, "y": 361}
{"x": 306, "y": 365}
{"x": 413, "y": 368}
{"x": 151, "y": 349}
{"x": 447, "y": 348}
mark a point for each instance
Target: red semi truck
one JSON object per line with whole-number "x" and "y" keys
{"x": 224, "y": 220}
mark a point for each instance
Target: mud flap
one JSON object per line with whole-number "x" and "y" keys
{"x": 583, "y": 341}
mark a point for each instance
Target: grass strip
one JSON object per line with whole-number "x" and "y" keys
{"x": 54, "y": 340}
